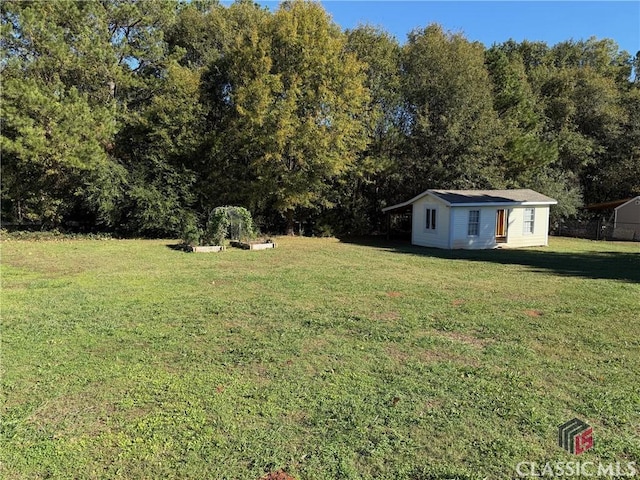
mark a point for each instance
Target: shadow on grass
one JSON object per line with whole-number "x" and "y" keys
{"x": 599, "y": 265}
{"x": 179, "y": 247}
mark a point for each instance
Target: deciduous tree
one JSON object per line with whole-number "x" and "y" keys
{"x": 453, "y": 128}
{"x": 298, "y": 103}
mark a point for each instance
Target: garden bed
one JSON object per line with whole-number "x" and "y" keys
{"x": 253, "y": 245}
{"x": 207, "y": 248}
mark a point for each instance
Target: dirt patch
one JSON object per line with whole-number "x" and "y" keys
{"x": 400, "y": 356}
{"x": 386, "y": 316}
{"x": 533, "y": 313}
{"x": 395, "y": 353}
{"x": 73, "y": 414}
{"x": 393, "y": 294}
{"x": 279, "y": 475}
{"x": 314, "y": 345}
{"x": 457, "y": 302}
{"x": 261, "y": 371}
{"x": 296, "y": 416}
{"x": 465, "y": 338}
{"x": 432, "y": 356}
{"x": 433, "y": 404}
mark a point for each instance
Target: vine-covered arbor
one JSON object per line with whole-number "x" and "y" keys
{"x": 223, "y": 224}
{"x": 228, "y": 223}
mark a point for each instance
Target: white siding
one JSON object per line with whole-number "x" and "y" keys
{"x": 430, "y": 238}
{"x": 487, "y": 235}
{"x": 516, "y": 236}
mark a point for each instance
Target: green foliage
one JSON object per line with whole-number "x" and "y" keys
{"x": 156, "y": 199}
{"x": 359, "y": 194}
{"x": 616, "y": 174}
{"x": 223, "y": 224}
{"x": 240, "y": 223}
{"x": 560, "y": 186}
{"x": 189, "y": 231}
{"x": 68, "y": 85}
{"x": 527, "y": 148}
{"x": 53, "y": 235}
{"x": 53, "y": 149}
{"x": 157, "y": 146}
{"x": 453, "y": 137}
{"x": 131, "y": 116}
{"x": 217, "y": 229}
{"x": 296, "y": 98}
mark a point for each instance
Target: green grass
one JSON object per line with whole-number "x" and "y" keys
{"x": 127, "y": 359}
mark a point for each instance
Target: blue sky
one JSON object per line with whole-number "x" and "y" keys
{"x": 496, "y": 22}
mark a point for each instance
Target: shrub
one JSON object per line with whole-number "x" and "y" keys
{"x": 191, "y": 234}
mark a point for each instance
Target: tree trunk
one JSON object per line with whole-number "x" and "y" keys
{"x": 19, "y": 208}
{"x": 290, "y": 224}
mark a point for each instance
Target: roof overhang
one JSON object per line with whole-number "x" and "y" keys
{"x": 608, "y": 205}
{"x": 634, "y": 199}
{"x": 413, "y": 200}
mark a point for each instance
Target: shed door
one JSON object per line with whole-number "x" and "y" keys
{"x": 501, "y": 226}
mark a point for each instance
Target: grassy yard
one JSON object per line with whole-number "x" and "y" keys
{"x": 328, "y": 359}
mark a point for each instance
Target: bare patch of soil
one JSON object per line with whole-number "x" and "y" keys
{"x": 395, "y": 353}
{"x": 386, "y": 316}
{"x": 430, "y": 356}
{"x": 443, "y": 356}
{"x": 433, "y": 404}
{"x": 393, "y": 294}
{"x": 533, "y": 313}
{"x": 465, "y": 338}
{"x": 71, "y": 414}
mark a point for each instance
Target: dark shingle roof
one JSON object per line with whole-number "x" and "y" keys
{"x": 491, "y": 196}
{"x": 481, "y": 197}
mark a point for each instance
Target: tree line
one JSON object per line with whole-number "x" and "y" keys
{"x": 141, "y": 117}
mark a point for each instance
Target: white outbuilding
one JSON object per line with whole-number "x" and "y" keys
{"x": 478, "y": 219}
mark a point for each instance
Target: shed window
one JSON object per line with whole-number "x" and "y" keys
{"x": 529, "y": 218}
{"x": 430, "y": 219}
{"x": 474, "y": 223}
